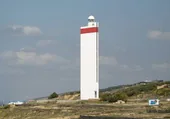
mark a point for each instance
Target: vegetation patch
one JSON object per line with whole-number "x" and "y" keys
{"x": 157, "y": 110}
{"x": 114, "y": 97}
{"x": 53, "y": 95}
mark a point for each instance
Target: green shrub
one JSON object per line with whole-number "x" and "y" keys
{"x": 6, "y": 106}
{"x": 167, "y": 82}
{"x": 132, "y": 92}
{"x": 136, "y": 90}
{"x": 53, "y": 95}
{"x": 105, "y": 96}
{"x": 114, "y": 97}
{"x": 121, "y": 96}
{"x": 163, "y": 92}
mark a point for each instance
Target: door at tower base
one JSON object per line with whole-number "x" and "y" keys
{"x": 89, "y": 62}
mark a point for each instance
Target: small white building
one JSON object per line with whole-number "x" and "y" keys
{"x": 89, "y": 60}
{"x": 16, "y": 103}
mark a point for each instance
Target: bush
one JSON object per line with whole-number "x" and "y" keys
{"x": 132, "y": 92}
{"x": 136, "y": 90}
{"x": 108, "y": 97}
{"x": 114, "y": 97}
{"x": 6, "y": 106}
{"x": 105, "y": 96}
{"x": 121, "y": 96}
{"x": 167, "y": 82}
{"x": 163, "y": 92}
{"x": 53, "y": 95}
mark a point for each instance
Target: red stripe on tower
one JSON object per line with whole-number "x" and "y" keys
{"x": 89, "y": 30}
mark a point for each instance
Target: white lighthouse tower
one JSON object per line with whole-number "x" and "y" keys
{"x": 89, "y": 60}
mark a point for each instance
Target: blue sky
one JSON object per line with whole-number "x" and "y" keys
{"x": 39, "y": 44}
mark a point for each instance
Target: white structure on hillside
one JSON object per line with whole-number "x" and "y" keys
{"x": 154, "y": 102}
{"x": 16, "y": 103}
{"x": 89, "y": 60}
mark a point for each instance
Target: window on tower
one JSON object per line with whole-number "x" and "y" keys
{"x": 91, "y": 20}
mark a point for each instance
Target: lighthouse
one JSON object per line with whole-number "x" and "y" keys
{"x": 89, "y": 60}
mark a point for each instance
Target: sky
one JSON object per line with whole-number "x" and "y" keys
{"x": 40, "y": 44}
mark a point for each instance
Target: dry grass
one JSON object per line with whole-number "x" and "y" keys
{"x": 67, "y": 110}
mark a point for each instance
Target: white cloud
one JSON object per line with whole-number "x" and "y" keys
{"x": 161, "y": 67}
{"x": 130, "y": 68}
{"x": 112, "y": 61}
{"x": 159, "y": 35}
{"x": 72, "y": 66}
{"x": 42, "y": 43}
{"x": 31, "y": 58}
{"x": 118, "y": 48}
{"x": 12, "y": 71}
{"x": 28, "y": 49}
{"x": 25, "y": 30}
{"x": 125, "y": 67}
{"x": 108, "y": 60}
{"x": 138, "y": 68}
{"x": 9, "y": 55}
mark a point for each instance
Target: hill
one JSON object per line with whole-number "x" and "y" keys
{"x": 142, "y": 90}
{"x": 66, "y": 106}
